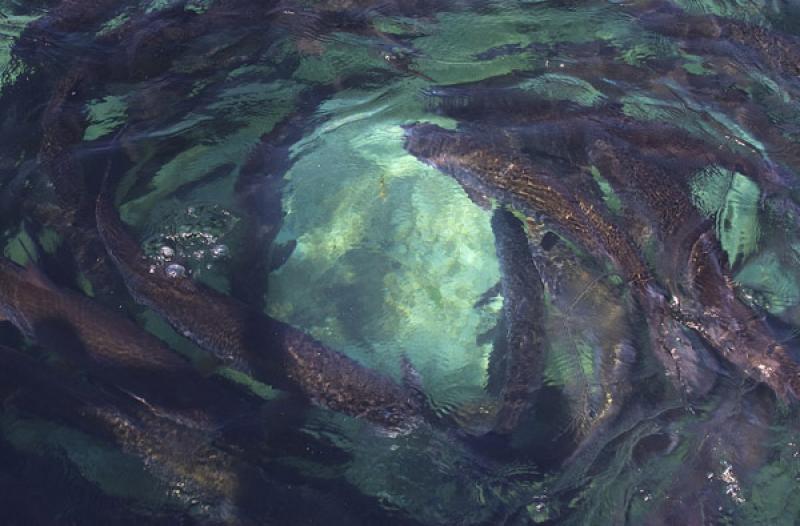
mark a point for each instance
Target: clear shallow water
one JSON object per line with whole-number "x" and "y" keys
{"x": 262, "y": 149}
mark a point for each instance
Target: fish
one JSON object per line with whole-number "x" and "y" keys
{"x": 181, "y": 457}
{"x": 496, "y": 168}
{"x": 723, "y": 451}
{"x": 523, "y": 351}
{"x": 565, "y": 130}
{"x": 588, "y": 314}
{"x": 259, "y": 188}
{"x": 70, "y": 211}
{"x": 704, "y": 297}
{"x": 647, "y": 189}
{"x": 114, "y": 349}
{"x": 709, "y": 34}
{"x": 252, "y": 342}
{"x": 212, "y": 484}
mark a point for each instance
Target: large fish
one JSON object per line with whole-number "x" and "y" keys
{"x": 589, "y": 321}
{"x": 716, "y": 457}
{"x": 520, "y": 366}
{"x": 696, "y": 274}
{"x": 113, "y": 349}
{"x": 564, "y": 130}
{"x": 214, "y": 484}
{"x": 248, "y": 340}
{"x": 179, "y": 456}
{"x": 492, "y": 165}
{"x": 746, "y": 41}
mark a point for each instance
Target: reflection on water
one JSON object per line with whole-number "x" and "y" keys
{"x": 462, "y": 262}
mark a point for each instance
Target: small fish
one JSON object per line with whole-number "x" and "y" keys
{"x": 524, "y": 347}
{"x": 252, "y": 342}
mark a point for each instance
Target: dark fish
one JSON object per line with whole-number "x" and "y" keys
{"x": 210, "y": 483}
{"x": 652, "y": 193}
{"x": 565, "y": 130}
{"x": 497, "y": 169}
{"x": 248, "y": 340}
{"x": 180, "y": 457}
{"x": 259, "y": 190}
{"x": 524, "y": 348}
{"x": 763, "y": 45}
{"x": 76, "y": 15}
{"x": 69, "y": 209}
{"x": 705, "y": 297}
{"x": 497, "y": 105}
{"x": 113, "y": 349}
{"x": 494, "y": 166}
{"x": 736, "y": 332}
{"x": 587, "y": 311}
{"x": 724, "y": 450}
{"x": 29, "y": 474}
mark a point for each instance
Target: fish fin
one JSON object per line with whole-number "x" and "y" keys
{"x": 29, "y": 256}
{"x": 487, "y": 336}
{"x": 280, "y": 254}
{"x": 479, "y": 198}
{"x": 36, "y": 277}
{"x": 207, "y": 364}
{"x": 490, "y": 294}
{"x": 497, "y": 370}
{"x": 411, "y": 377}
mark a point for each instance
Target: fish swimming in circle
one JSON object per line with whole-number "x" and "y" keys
{"x": 492, "y": 164}
{"x": 520, "y": 366}
{"x": 114, "y": 350}
{"x": 211, "y": 482}
{"x": 252, "y": 342}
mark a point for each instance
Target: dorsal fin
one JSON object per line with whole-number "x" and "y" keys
{"x": 412, "y": 380}
{"x": 34, "y": 275}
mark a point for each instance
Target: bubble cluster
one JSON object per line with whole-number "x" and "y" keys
{"x": 193, "y": 236}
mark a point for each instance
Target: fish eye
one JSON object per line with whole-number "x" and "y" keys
{"x": 549, "y": 240}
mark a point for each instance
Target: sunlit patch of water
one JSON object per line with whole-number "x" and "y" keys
{"x": 387, "y": 251}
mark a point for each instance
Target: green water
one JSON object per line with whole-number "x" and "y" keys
{"x": 391, "y": 254}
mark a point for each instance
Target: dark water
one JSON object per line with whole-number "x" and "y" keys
{"x": 403, "y": 262}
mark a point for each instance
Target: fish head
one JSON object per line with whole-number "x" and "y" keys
{"x": 430, "y": 143}
{"x": 484, "y": 164}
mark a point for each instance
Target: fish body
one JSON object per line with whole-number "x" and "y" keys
{"x": 497, "y": 169}
{"x": 112, "y": 348}
{"x": 523, "y": 309}
{"x": 215, "y": 484}
{"x": 176, "y": 454}
{"x": 764, "y": 45}
{"x": 270, "y": 350}
{"x": 586, "y": 311}
{"x": 30, "y": 301}
{"x": 697, "y": 276}
{"x": 722, "y": 453}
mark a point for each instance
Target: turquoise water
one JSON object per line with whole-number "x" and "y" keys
{"x": 273, "y": 153}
